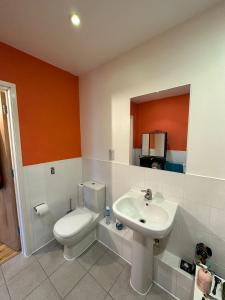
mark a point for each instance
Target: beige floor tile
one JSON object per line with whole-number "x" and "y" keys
{"x": 4, "y": 295}
{"x": 119, "y": 259}
{"x": 25, "y": 281}
{"x": 16, "y": 265}
{"x": 89, "y": 257}
{"x": 106, "y": 270}
{"x": 44, "y": 292}
{"x": 2, "y": 281}
{"x": 122, "y": 290}
{"x": 66, "y": 277}
{"x": 108, "y": 297}
{"x": 50, "y": 258}
{"x": 87, "y": 289}
{"x": 158, "y": 294}
{"x": 47, "y": 248}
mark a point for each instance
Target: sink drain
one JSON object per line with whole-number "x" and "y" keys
{"x": 142, "y": 220}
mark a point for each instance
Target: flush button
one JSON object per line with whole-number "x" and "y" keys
{"x": 52, "y": 170}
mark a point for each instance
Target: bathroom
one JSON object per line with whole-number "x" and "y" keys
{"x": 80, "y": 132}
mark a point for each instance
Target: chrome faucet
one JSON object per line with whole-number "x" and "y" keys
{"x": 148, "y": 194}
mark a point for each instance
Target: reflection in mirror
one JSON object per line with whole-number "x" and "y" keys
{"x": 145, "y": 144}
{"x": 157, "y": 145}
{"x": 159, "y": 126}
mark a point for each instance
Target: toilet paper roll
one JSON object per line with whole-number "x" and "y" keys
{"x": 41, "y": 209}
{"x": 80, "y": 193}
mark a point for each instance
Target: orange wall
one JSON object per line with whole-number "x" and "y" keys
{"x": 168, "y": 114}
{"x": 48, "y": 105}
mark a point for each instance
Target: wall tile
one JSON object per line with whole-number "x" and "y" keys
{"x": 198, "y": 190}
{"x": 185, "y": 286}
{"x": 217, "y": 222}
{"x": 120, "y": 180}
{"x": 166, "y": 277}
{"x": 55, "y": 190}
{"x": 217, "y": 199}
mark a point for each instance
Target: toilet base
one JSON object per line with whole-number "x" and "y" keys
{"x": 72, "y": 252}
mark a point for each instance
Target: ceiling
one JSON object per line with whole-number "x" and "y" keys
{"x": 173, "y": 92}
{"x": 108, "y": 27}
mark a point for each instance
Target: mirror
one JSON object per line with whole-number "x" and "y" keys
{"x": 159, "y": 126}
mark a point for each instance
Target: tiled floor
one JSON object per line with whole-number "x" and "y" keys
{"x": 98, "y": 274}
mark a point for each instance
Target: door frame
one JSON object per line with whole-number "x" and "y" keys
{"x": 17, "y": 165}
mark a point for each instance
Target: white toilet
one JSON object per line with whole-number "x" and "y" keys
{"x": 77, "y": 230}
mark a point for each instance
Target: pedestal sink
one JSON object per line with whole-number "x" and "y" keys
{"x": 149, "y": 220}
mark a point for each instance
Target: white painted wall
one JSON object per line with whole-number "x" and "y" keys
{"x": 192, "y": 53}
{"x": 55, "y": 190}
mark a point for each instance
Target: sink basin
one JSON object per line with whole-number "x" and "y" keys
{"x": 153, "y": 218}
{"x": 149, "y": 220}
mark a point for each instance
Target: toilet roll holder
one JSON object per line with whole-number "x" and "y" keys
{"x": 35, "y": 207}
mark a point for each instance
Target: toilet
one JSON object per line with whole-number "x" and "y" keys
{"x": 76, "y": 231}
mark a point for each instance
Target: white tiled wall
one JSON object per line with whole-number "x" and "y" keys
{"x": 201, "y": 213}
{"x": 118, "y": 241}
{"x": 55, "y": 190}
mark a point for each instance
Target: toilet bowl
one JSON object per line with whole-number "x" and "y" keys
{"x": 76, "y": 231}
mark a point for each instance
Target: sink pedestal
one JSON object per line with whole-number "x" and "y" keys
{"x": 142, "y": 263}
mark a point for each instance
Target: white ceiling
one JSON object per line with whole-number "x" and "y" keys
{"x": 173, "y": 92}
{"x": 109, "y": 27}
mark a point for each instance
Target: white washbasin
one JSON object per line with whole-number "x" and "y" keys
{"x": 153, "y": 218}
{"x": 149, "y": 219}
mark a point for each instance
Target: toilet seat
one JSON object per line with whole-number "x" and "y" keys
{"x": 73, "y": 223}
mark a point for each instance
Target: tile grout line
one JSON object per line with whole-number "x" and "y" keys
{"x": 98, "y": 283}
{"x": 18, "y": 271}
{"x": 43, "y": 268}
{"x": 48, "y": 277}
{"x": 39, "y": 283}
{"x": 94, "y": 262}
{"x": 16, "y": 275}
{"x": 116, "y": 280}
{"x": 5, "y": 283}
{"x": 75, "y": 284}
{"x": 55, "y": 269}
{"x": 86, "y": 272}
{"x": 108, "y": 294}
{"x": 123, "y": 267}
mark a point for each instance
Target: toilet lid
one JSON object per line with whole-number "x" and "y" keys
{"x": 72, "y": 223}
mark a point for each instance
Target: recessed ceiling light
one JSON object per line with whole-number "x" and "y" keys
{"x": 75, "y": 20}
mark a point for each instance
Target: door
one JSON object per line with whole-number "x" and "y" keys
{"x": 9, "y": 233}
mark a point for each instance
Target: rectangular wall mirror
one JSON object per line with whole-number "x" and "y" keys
{"x": 159, "y": 127}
